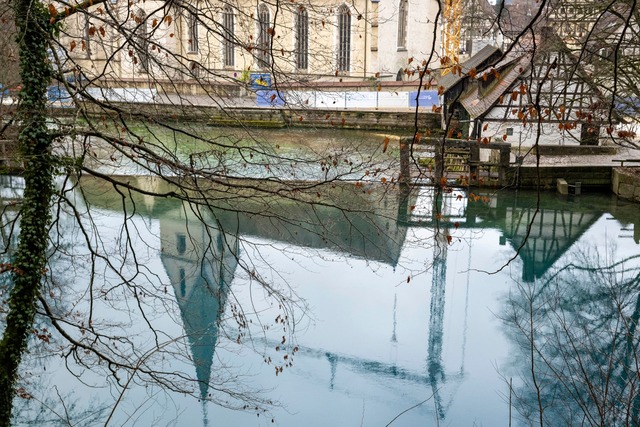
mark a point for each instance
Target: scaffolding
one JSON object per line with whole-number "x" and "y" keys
{"x": 451, "y": 27}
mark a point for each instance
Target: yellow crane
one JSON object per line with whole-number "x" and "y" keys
{"x": 451, "y": 26}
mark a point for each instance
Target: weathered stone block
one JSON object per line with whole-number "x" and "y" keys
{"x": 562, "y": 186}
{"x": 626, "y": 190}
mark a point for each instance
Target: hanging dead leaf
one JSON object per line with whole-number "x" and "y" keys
{"x": 385, "y": 145}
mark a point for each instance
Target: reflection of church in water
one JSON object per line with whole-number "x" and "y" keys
{"x": 200, "y": 261}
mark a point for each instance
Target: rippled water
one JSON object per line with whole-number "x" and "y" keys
{"x": 410, "y": 311}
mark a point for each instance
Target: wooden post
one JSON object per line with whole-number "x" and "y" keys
{"x": 403, "y": 203}
{"x": 505, "y": 153}
{"x": 405, "y": 161}
{"x": 439, "y": 163}
{"x": 474, "y": 160}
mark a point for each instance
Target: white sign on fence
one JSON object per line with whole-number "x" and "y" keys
{"x": 348, "y": 99}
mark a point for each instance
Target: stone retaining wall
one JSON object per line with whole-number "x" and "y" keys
{"x": 625, "y": 183}
{"x": 277, "y": 117}
{"x": 590, "y": 177}
{"x": 575, "y": 150}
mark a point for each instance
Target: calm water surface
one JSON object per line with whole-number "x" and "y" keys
{"x": 405, "y": 316}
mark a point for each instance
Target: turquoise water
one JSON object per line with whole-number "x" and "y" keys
{"x": 403, "y": 310}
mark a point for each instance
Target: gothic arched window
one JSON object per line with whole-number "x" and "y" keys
{"x": 228, "y": 45}
{"x": 264, "y": 41}
{"x": 344, "y": 38}
{"x": 402, "y": 24}
{"x": 302, "y": 38}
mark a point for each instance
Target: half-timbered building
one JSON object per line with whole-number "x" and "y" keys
{"x": 537, "y": 93}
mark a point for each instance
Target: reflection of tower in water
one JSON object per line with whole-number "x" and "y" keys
{"x": 436, "y": 321}
{"x": 200, "y": 261}
{"x": 444, "y": 214}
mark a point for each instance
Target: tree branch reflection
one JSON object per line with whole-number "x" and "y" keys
{"x": 577, "y": 327}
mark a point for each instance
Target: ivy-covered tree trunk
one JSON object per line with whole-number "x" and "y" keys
{"x": 33, "y": 32}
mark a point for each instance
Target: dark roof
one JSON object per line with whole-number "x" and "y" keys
{"x": 488, "y": 10}
{"x": 517, "y": 15}
{"x": 609, "y": 23}
{"x": 451, "y": 79}
{"x": 477, "y": 105}
{"x": 514, "y": 64}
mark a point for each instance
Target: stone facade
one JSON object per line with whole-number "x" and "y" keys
{"x": 125, "y": 43}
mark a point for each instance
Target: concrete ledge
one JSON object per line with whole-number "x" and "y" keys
{"x": 576, "y": 150}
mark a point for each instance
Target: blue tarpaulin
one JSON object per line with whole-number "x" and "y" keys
{"x": 57, "y": 93}
{"x": 269, "y": 98}
{"x": 427, "y": 98}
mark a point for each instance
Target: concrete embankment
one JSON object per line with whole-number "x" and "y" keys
{"x": 592, "y": 168}
{"x": 591, "y": 178}
{"x": 213, "y": 115}
{"x": 625, "y": 183}
{"x": 272, "y": 117}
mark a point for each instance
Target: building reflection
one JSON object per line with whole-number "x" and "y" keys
{"x": 200, "y": 261}
{"x": 540, "y": 232}
{"x": 577, "y": 339}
